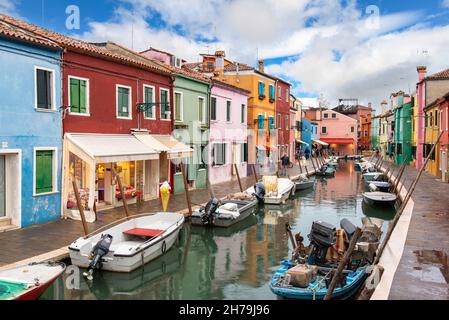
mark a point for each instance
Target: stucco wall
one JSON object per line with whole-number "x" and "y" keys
{"x": 435, "y": 89}
{"x": 24, "y": 128}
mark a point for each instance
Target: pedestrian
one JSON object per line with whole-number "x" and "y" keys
{"x": 307, "y": 154}
{"x": 285, "y": 162}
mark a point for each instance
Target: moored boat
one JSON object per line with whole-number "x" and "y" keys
{"x": 371, "y": 176}
{"x": 325, "y": 171}
{"x": 127, "y": 244}
{"x": 382, "y": 186}
{"x": 30, "y": 281}
{"x": 277, "y": 190}
{"x": 380, "y": 198}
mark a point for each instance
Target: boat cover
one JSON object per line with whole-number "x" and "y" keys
{"x": 10, "y": 290}
{"x": 140, "y": 232}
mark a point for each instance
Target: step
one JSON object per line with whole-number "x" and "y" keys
{"x": 4, "y": 222}
{"x": 8, "y": 228}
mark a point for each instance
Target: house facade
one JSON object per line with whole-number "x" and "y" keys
{"x": 283, "y": 118}
{"x": 403, "y": 128}
{"x": 228, "y": 141}
{"x": 443, "y": 104}
{"x": 375, "y": 132}
{"x": 365, "y": 132}
{"x": 30, "y": 127}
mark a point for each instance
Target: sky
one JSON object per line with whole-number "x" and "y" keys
{"x": 326, "y": 48}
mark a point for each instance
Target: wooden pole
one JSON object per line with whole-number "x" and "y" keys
{"x": 186, "y": 187}
{"x": 404, "y": 204}
{"x": 253, "y": 166}
{"x": 313, "y": 164}
{"x": 307, "y": 172}
{"x": 238, "y": 176}
{"x": 300, "y": 166}
{"x": 122, "y": 192}
{"x": 342, "y": 264}
{"x": 289, "y": 232}
{"x": 80, "y": 207}
{"x": 400, "y": 175}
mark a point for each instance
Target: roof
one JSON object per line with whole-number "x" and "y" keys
{"x": 183, "y": 71}
{"x": 350, "y": 109}
{"x": 9, "y": 30}
{"x": 232, "y": 67}
{"x": 77, "y": 45}
{"x": 442, "y": 75}
{"x": 439, "y": 100}
{"x": 157, "y": 50}
{"x": 228, "y": 85}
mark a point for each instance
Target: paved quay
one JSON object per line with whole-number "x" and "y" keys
{"x": 50, "y": 241}
{"x": 423, "y": 271}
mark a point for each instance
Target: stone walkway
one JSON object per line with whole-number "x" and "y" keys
{"x": 423, "y": 271}
{"x": 18, "y": 245}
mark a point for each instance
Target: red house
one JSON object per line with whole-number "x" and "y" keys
{"x": 103, "y": 86}
{"x": 285, "y": 146}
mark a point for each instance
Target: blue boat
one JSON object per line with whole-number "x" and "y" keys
{"x": 317, "y": 289}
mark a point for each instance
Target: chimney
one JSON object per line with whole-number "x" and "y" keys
{"x": 384, "y": 105}
{"x": 422, "y": 71}
{"x": 261, "y": 65}
{"x": 370, "y": 105}
{"x": 219, "y": 62}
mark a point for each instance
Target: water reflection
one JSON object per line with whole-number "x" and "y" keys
{"x": 236, "y": 262}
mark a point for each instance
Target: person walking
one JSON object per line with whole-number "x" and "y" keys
{"x": 307, "y": 154}
{"x": 285, "y": 160}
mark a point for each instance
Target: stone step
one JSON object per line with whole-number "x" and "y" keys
{"x": 4, "y": 222}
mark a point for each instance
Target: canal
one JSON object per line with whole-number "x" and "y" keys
{"x": 235, "y": 263}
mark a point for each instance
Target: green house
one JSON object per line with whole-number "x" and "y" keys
{"x": 375, "y": 132}
{"x": 403, "y": 131}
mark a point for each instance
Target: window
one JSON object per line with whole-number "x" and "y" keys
{"x": 213, "y": 109}
{"x": 202, "y": 157}
{"x": 287, "y": 124}
{"x": 366, "y": 133}
{"x": 326, "y": 116}
{"x": 165, "y": 105}
{"x": 399, "y": 148}
{"x": 245, "y": 152}
{"x": 431, "y": 119}
{"x": 201, "y": 110}
{"x": 178, "y": 106}
{"x": 427, "y": 121}
{"x": 148, "y": 97}
{"x": 436, "y": 118}
{"x": 45, "y": 89}
{"x": 123, "y": 102}
{"x": 287, "y": 94}
{"x": 243, "y": 115}
{"x": 260, "y": 122}
{"x": 219, "y": 155}
{"x": 352, "y": 129}
{"x": 279, "y": 92}
{"x": 45, "y": 171}
{"x": 279, "y": 121}
{"x": 324, "y": 130}
{"x": 261, "y": 90}
{"x": 78, "y": 95}
{"x": 228, "y": 111}
{"x": 271, "y": 92}
{"x": 334, "y": 116}
{"x": 271, "y": 125}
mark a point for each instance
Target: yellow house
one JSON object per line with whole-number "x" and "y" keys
{"x": 432, "y": 130}
{"x": 262, "y": 135}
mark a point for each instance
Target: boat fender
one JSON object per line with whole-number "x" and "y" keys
{"x": 164, "y": 247}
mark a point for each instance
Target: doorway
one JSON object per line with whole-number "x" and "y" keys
{"x": 443, "y": 166}
{"x": 2, "y": 186}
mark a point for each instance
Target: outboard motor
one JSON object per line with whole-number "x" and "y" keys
{"x": 349, "y": 227}
{"x": 260, "y": 192}
{"x": 209, "y": 211}
{"x": 322, "y": 237}
{"x": 98, "y": 252}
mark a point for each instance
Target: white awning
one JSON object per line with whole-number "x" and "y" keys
{"x": 166, "y": 143}
{"x": 321, "y": 142}
{"x": 302, "y": 142}
{"x": 108, "y": 148}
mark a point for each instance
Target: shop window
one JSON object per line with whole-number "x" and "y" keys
{"x": 45, "y": 171}
{"x": 79, "y": 95}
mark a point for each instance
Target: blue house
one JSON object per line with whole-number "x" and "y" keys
{"x": 309, "y": 132}
{"x": 30, "y": 128}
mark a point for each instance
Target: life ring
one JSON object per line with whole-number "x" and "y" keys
{"x": 164, "y": 247}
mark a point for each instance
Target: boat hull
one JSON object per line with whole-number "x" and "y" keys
{"x": 280, "y": 199}
{"x": 219, "y": 222}
{"x": 304, "y": 185}
{"x": 378, "y": 202}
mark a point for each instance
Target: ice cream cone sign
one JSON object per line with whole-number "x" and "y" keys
{"x": 165, "y": 195}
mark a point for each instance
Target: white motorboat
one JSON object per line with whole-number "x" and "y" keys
{"x": 127, "y": 244}
{"x": 285, "y": 187}
{"x": 304, "y": 183}
{"x": 380, "y": 198}
{"x": 372, "y": 176}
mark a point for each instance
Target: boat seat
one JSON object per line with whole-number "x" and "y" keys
{"x": 141, "y": 232}
{"x": 125, "y": 247}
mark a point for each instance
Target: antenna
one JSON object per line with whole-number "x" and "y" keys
{"x": 132, "y": 36}
{"x": 43, "y": 13}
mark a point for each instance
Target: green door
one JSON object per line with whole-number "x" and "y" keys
{"x": 2, "y": 187}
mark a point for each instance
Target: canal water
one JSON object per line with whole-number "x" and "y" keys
{"x": 234, "y": 263}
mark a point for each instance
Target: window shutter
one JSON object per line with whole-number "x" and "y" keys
{"x": 261, "y": 122}
{"x": 44, "y": 171}
{"x": 42, "y": 90}
{"x": 82, "y": 97}
{"x": 74, "y": 95}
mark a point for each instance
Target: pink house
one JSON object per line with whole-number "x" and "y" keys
{"x": 335, "y": 129}
{"x": 228, "y": 139}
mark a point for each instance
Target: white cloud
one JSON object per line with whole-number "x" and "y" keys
{"x": 8, "y": 7}
{"x": 445, "y": 3}
{"x": 343, "y": 52}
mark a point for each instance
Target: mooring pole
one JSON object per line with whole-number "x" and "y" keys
{"x": 404, "y": 204}
{"x": 122, "y": 192}
{"x": 289, "y": 232}
{"x": 186, "y": 187}
{"x": 80, "y": 207}
{"x": 238, "y": 176}
{"x": 300, "y": 167}
{"x": 253, "y": 166}
{"x": 343, "y": 263}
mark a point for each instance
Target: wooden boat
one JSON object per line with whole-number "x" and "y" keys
{"x": 379, "y": 198}
{"x": 325, "y": 171}
{"x": 382, "y": 186}
{"x": 133, "y": 242}
{"x": 372, "y": 176}
{"x": 304, "y": 183}
{"x": 317, "y": 289}
{"x": 226, "y": 214}
{"x": 30, "y": 281}
{"x": 285, "y": 187}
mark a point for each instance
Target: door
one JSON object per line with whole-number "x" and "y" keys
{"x": 2, "y": 186}
{"x": 443, "y": 165}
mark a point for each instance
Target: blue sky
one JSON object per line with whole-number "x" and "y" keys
{"x": 322, "y": 47}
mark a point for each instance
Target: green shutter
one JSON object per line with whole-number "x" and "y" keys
{"x": 123, "y": 101}
{"x": 74, "y": 95}
{"x": 44, "y": 171}
{"x": 149, "y": 99}
{"x": 82, "y": 96}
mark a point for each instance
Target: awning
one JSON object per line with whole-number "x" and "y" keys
{"x": 339, "y": 141}
{"x": 302, "y": 142}
{"x": 321, "y": 142}
{"x": 261, "y": 148}
{"x": 108, "y": 148}
{"x": 166, "y": 143}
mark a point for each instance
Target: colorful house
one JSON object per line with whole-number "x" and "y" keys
{"x": 375, "y": 132}
{"x": 432, "y": 130}
{"x": 228, "y": 141}
{"x": 444, "y": 140}
{"x": 365, "y": 132}
{"x": 403, "y": 128}
{"x": 30, "y": 127}
{"x": 414, "y": 128}
{"x": 191, "y": 97}
{"x": 296, "y": 108}
{"x": 306, "y": 135}
{"x": 283, "y": 118}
